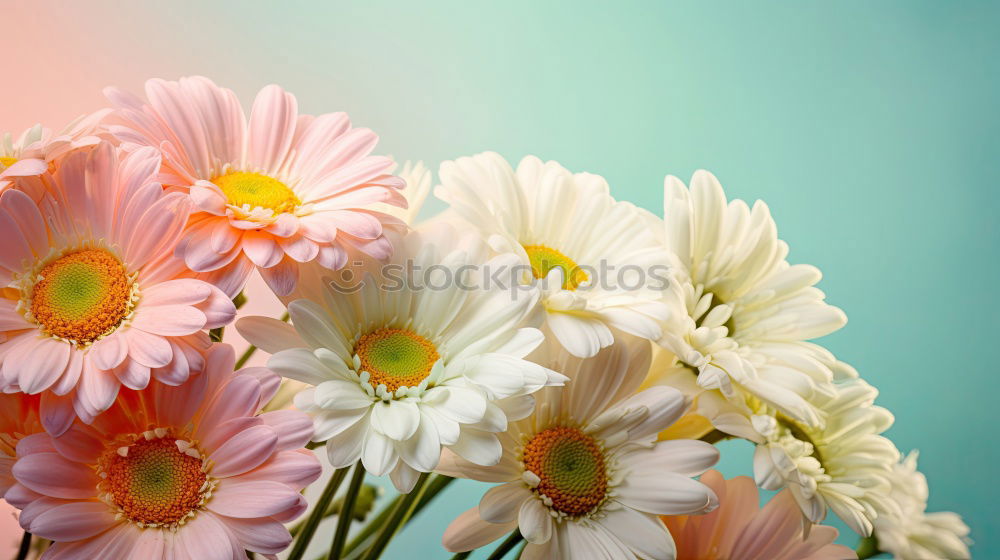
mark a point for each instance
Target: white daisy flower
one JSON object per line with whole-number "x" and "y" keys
{"x": 591, "y": 258}
{"x": 740, "y": 314}
{"x": 401, "y": 369}
{"x": 583, "y": 477}
{"x": 844, "y": 466}
{"x": 910, "y": 533}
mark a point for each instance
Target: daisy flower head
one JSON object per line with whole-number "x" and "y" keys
{"x": 844, "y": 466}
{"x": 400, "y": 369}
{"x": 31, "y": 153}
{"x": 583, "y": 476}
{"x": 94, "y": 298}
{"x": 909, "y": 532}
{"x": 592, "y": 259}
{"x": 740, "y": 314}
{"x": 270, "y": 190}
{"x": 741, "y": 530}
{"x": 190, "y": 472}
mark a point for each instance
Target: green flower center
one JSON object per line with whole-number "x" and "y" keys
{"x": 571, "y": 469}
{"x": 396, "y": 357}
{"x": 257, "y": 191}
{"x": 82, "y": 296}
{"x": 544, "y": 259}
{"x": 153, "y": 482}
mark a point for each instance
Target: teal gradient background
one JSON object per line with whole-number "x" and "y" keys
{"x": 870, "y": 128}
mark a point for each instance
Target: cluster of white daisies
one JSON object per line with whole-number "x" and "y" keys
{"x": 579, "y": 352}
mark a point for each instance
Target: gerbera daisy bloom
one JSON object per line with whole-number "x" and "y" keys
{"x": 271, "y": 190}
{"x": 582, "y": 476}
{"x": 741, "y": 530}
{"x": 182, "y": 473}
{"x": 589, "y": 257}
{"x": 94, "y": 297}
{"x": 401, "y": 369}
{"x": 910, "y": 533}
{"x": 30, "y": 154}
{"x": 19, "y": 417}
{"x": 740, "y": 314}
{"x": 844, "y": 466}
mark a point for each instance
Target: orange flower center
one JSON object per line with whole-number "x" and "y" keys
{"x": 153, "y": 482}
{"x": 543, "y": 259}
{"x": 82, "y": 296}
{"x": 257, "y": 191}
{"x": 395, "y": 357}
{"x": 571, "y": 469}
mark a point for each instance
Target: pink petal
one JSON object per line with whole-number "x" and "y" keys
{"x": 133, "y": 375}
{"x": 223, "y": 236}
{"x": 57, "y": 413}
{"x": 225, "y": 431}
{"x": 25, "y": 212}
{"x": 218, "y": 309}
{"x": 265, "y": 536}
{"x": 40, "y": 363}
{"x": 206, "y": 537}
{"x": 271, "y": 128}
{"x": 208, "y": 198}
{"x": 262, "y": 249}
{"x": 53, "y": 475}
{"x": 282, "y": 277}
{"x": 150, "y": 350}
{"x": 245, "y": 451}
{"x": 169, "y": 320}
{"x": 26, "y": 168}
{"x": 296, "y": 469}
{"x": 109, "y": 352}
{"x": 251, "y": 499}
{"x": 299, "y": 248}
{"x": 238, "y": 398}
{"x": 73, "y": 521}
{"x": 182, "y": 291}
{"x": 97, "y": 389}
{"x": 294, "y": 428}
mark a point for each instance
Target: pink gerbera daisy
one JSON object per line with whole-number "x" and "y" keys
{"x": 181, "y": 473}
{"x": 271, "y": 191}
{"x": 30, "y": 154}
{"x": 741, "y": 530}
{"x": 94, "y": 297}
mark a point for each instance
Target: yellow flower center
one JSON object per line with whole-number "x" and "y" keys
{"x": 6, "y": 162}
{"x": 82, "y": 296}
{"x": 395, "y": 357}
{"x": 153, "y": 482}
{"x": 570, "y": 467}
{"x": 257, "y": 191}
{"x": 543, "y": 259}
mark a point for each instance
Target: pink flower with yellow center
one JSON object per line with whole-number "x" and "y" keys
{"x": 741, "y": 530}
{"x": 31, "y": 153}
{"x": 272, "y": 190}
{"x": 93, "y": 296}
{"x": 191, "y": 472}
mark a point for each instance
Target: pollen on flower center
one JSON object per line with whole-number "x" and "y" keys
{"x": 395, "y": 357}
{"x": 571, "y": 470}
{"x": 6, "y": 162}
{"x": 82, "y": 296}
{"x": 155, "y": 482}
{"x": 257, "y": 191}
{"x": 544, "y": 259}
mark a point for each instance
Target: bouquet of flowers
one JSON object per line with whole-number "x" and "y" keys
{"x": 580, "y": 353}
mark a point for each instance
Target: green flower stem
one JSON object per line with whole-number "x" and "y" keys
{"x": 437, "y": 484}
{"x": 506, "y": 546}
{"x": 347, "y": 512}
{"x": 461, "y": 555}
{"x": 400, "y": 515}
{"x": 868, "y": 548}
{"x": 216, "y": 334}
{"x": 22, "y": 553}
{"x": 251, "y": 349}
{"x": 312, "y": 522}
